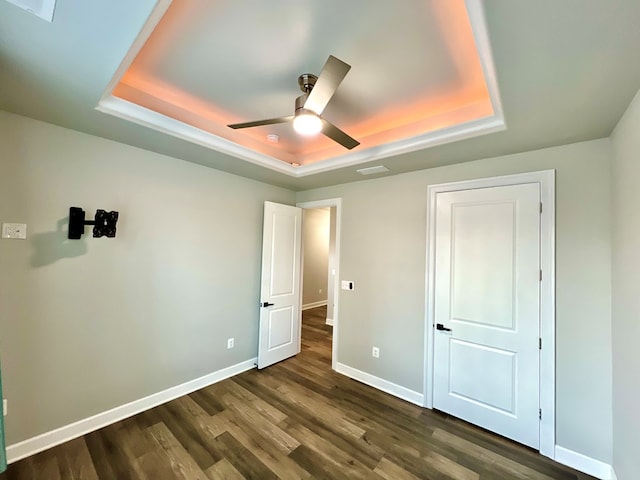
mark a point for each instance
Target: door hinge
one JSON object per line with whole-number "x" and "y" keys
{"x": 540, "y": 343}
{"x": 540, "y": 414}
{"x": 540, "y": 275}
{"x": 540, "y": 207}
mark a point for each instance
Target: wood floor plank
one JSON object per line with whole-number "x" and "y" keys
{"x": 267, "y": 452}
{"x": 514, "y": 469}
{"x": 238, "y": 393}
{"x": 243, "y": 459}
{"x": 449, "y": 467}
{"x": 155, "y": 464}
{"x": 223, "y": 470}
{"x": 75, "y": 461}
{"x": 390, "y": 471}
{"x": 109, "y": 460}
{"x": 207, "y": 402}
{"x": 319, "y": 407}
{"x": 46, "y": 468}
{"x": 271, "y": 432}
{"x": 182, "y": 463}
{"x": 330, "y": 454}
{"x": 182, "y": 427}
{"x": 297, "y": 419}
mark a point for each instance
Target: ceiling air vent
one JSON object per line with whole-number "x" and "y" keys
{"x": 372, "y": 170}
{"x": 42, "y": 8}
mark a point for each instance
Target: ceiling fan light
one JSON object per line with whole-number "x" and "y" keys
{"x": 307, "y": 124}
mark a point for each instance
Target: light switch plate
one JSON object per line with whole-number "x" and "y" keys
{"x": 347, "y": 285}
{"x": 14, "y": 230}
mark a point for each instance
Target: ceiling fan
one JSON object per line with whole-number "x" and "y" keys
{"x": 317, "y": 92}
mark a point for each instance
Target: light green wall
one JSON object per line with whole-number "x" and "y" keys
{"x": 92, "y": 324}
{"x": 315, "y": 237}
{"x": 626, "y": 293}
{"x": 383, "y": 250}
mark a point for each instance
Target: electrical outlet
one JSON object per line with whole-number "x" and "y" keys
{"x": 4, "y": 407}
{"x": 375, "y": 352}
{"x": 230, "y": 342}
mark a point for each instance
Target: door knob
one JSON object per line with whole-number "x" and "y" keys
{"x": 441, "y": 327}
{"x": 267, "y": 304}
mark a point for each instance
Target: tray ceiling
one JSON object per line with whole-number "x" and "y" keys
{"x": 421, "y": 75}
{"x": 566, "y": 70}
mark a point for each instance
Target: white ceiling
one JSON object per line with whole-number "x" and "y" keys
{"x": 565, "y": 70}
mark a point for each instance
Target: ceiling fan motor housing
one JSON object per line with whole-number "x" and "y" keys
{"x": 307, "y": 81}
{"x": 300, "y": 101}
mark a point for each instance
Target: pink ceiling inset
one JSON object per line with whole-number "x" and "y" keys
{"x": 419, "y": 72}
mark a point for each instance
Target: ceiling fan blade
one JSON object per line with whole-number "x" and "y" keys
{"x": 337, "y": 135}
{"x": 257, "y": 123}
{"x": 331, "y": 76}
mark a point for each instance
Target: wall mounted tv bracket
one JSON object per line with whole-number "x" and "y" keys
{"x": 104, "y": 224}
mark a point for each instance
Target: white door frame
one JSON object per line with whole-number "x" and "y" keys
{"x": 330, "y": 202}
{"x": 546, "y": 179}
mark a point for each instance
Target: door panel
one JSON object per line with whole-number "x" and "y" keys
{"x": 487, "y": 254}
{"x": 281, "y": 325}
{"x": 483, "y": 375}
{"x": 283, "y": 254}
{"x": 279, "y": 332}
{"x": 482, "y": 263}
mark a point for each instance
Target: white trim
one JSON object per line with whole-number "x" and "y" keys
{"x": 584, "y": 464}
{"x": 331, "y": 202}
{"x": 381, "y": 384}
{"x": 329, "y": 321}
{"x": 148, "y": 118}
{"x": 478, "y": 23}
{"x": 307, "y": 306}
{"x": 63, "y": 434}
{"x": 147, "y": 29}
{"x": 546, "y": 179}
{"x": 132, "y": 112}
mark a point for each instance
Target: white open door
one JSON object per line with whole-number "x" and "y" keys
{"x": 487, "y": 308}
{"x": 279, "y": 334}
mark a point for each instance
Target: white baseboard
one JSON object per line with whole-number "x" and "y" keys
{"x": 584, "y": 464}
{"x": 381, "y": 384}
{"x": 60, "y": 435}
{"x": 307, "y": 306}
{"x": 329, "y": 321}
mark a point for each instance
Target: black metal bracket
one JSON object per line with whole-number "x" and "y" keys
{"x": 104, "y": 223}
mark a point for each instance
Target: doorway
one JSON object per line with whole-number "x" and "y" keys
{"x": 316, "y": 258}
{"x": 490, "y": 305}
{"x": 320, "y": 265}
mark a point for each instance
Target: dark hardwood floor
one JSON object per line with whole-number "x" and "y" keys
{"x": 297, "y": 419}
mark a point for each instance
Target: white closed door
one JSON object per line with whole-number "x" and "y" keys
{"x": 279, "y": 333}
{"x": 487, "y": 308}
